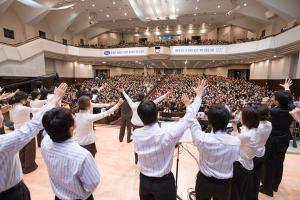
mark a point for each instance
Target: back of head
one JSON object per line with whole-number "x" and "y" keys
{"x": 147, "y": 111}
{"x": 44, "y": 94}
{"x": 34, "y": 95}
{"x": 218, "y": 117}
{"x": 283, "y": 97}
{"x": 57, "y": 123}
{"x": 263, "y": 111}
{"x": 250, "y": 117}
{"x": 84, "y": 102}
{"x": 18, "y": 97}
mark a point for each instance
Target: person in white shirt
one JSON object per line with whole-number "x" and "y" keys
{"x": 155, "y": 147}
{"x": 36, "y": 102}
{"x": 135, "y": 119}
{"x": 243, "y": 168}
{"x": 217, "y": 153}
{"x": 12, "y": 186}
{"x": 84, "y": 132}
{"x": 72, "y": 169}
{"x": 263, "y": 133}
{"x": 20, "y": 114}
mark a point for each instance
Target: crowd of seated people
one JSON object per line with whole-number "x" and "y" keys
{"x": 236, "y": 93}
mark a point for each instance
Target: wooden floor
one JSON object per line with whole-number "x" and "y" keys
{"x": 120, "y": 176}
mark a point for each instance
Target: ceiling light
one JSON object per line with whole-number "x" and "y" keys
{"x": 107, "y": 16}
{"x": 103, "y": 62}
{"x": 93, "y": 5}
{"x": 195, "y": 14}
{"x": 90, "y": 17}
{"x": 125, "y": 14}
{"x": 275, "y": 56}
{"x": 185, "y": 62}
{"x": 245, "y": 4}
{"x": 114, "y": 2}
{"x": 219, "y": 6}
{"x": 196, "y": 8}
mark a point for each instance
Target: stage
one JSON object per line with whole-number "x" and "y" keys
{"x": 120, "y": 176}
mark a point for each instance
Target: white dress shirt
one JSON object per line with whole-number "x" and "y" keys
{"x": 217, "y": 152}
{"x": 248, "y": 147}
{"x": 263, "y": 133}
{"x": 10, "y": 145}
{"x": 84, "y": 133}
{"x": 155, "y": 145}
{"x": 135, "y": 119}
{"x": 20, "y": 114}
{"x": 72, "y": 169}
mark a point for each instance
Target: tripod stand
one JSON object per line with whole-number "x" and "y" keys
{"x": 176, "y": 175}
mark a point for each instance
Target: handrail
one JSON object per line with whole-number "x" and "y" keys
{"x": 151, "y": 45}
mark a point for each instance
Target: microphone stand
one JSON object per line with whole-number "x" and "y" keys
{"x": 176, "y": 175}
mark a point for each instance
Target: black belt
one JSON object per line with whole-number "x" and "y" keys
{"x": 213, "y": 179}
{"x": 12, "y": 189}
{"x": 170, "y": 174}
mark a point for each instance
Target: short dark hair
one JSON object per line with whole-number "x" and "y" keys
{"x": 283, "y": 97}
{"x": 147, "y": 111}
{"x": 34, "y": 94}
{"x": 250, "y": 117}
{"x": 218, "y": 117}
{"x": 57, "y": 123}
{"x": 18, "y": 97}
{"x": 84, "y": 102}
{"x": 263, "y": 111}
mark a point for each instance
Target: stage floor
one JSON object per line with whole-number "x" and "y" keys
{"x": 120, "y": 176}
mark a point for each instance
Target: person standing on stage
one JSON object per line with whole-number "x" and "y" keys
{"x": 126, "y": 115}
{"x": 12, "y": 186}
{"x": 20, "y": 114}
{"x": 135, "y": 119}
{"x": 278, "y": 141}
{"x": 263, "y": 133}
{"x": 243, "y": 168}
{"x": 155, "y": 147}
{"x": 84, "y": 133}
{"x": 217, "y": 153}
{"x": 72, "y": 169}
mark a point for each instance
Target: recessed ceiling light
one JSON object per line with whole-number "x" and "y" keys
{"x": 275, "y": 56}
{"x": 219, "y": 6}
{"x": 107, "y": 16}
{"x": 93, "y": 5}
{"x": 89, "y": 17}
{"x": 103, "y": 62}
{"x": 114, "y": 2}
{"x": 245, "y": 4}
{"x": 125, "y": 14}
{"x": 195, "y": 14}
{"x": 196, "y": 8}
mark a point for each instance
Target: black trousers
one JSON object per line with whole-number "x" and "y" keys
{"x": 39, "y": 138}
{"x": 257, "y": 176}
{"x": 125, "y": 123}
{"x": 2, "y": 130}
{"x": 27, "y": 157}
{"x": 90, "y": 198}
{"x": 273, "y": 170}
{"x": 209, "y": 187}
{"x": 91, "y": 148}
{"x": 152, "y": 188}
{"x": 241, "y": 182}
{"x": 18, "y": 192}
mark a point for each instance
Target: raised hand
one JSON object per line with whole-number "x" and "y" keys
{"x": 185, "y": 100}
{"x": 120, "y": 101}
{"x": 168, "y": 94}
{"x": 59, "y": 93}
{"x": 202, "y": 85}
{"x": 6, "y": 95}
{"x": 3, "y": 109}
{"x": 287, "y": 84}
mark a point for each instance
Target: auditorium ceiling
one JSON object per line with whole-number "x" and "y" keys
{"x": 93, "y": 17}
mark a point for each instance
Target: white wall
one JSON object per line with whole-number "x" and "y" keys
{"x": 31, "y": 67}
{"x": 70, "y": 69}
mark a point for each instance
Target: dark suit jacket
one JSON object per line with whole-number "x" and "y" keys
{"x": 126, "y": 112}
{"x": 281, "y": 121}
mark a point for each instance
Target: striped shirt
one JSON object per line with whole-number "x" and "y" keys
{"x": 155, "y": 145}
{"x": 20, "y": 114}
{"x": 10, "y": 145}
{"x": 135, "y": 119}
{"x": 72, "y": 169}
{"x": 217, "y": 152}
